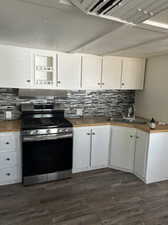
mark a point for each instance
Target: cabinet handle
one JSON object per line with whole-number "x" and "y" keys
{"x": 28, "y": 81}
{"x": 88, "y": 133}
{"x": 99, "y": 83}
{"x": 58, "y": 82}
{"x": 122, "y": 83}
{"x": 93, "y": 133}
{"x": 8, "y": 159}
{"x": 137, "y": 137}
{"x": 7, "y": 143}
{"x": 102, "y": 83}
{"x": 131, "y": 136}
{"x": 8, "y": 174}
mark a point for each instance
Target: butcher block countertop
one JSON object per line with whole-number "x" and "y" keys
{"x": 15, "y": 125}
{"x": 10, "y": 125}
{"x": 101, "y": 121}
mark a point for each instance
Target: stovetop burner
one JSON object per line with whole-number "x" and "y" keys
{"x": 38, "y": 123}
{"x": 42, "y": 119}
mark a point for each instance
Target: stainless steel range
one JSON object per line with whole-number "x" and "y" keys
{"x": 46, "y": 143}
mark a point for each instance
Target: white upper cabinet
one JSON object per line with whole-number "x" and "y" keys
{"x": 44, "y": 69}
{"x": 33, "y": 68}
{"x": 133, "y": 71}
{"x": 91, "y": 71}
{"x": 15, "y": 65}
{"x": 69, "y": 71}
{"x": 122, "y": 148}
{"x": 111, "y": 72}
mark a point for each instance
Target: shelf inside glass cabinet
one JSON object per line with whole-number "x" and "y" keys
{"x": 44, "y": 69}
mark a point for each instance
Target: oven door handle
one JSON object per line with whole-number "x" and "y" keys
{"x": 45, "y": 137}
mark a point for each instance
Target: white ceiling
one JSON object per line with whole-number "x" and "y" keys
{"x": 48, "y": 24}
{"x": 61, "y": 27}
{"x": 123, "y": 38}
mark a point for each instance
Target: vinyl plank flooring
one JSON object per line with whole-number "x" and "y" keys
{"x": 102, "y": 197}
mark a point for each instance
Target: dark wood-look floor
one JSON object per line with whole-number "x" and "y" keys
{"x": 105, "y": 197}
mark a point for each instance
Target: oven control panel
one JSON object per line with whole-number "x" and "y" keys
{"x": 36, "y": 132}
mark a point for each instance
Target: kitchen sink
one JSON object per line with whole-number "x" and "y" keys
{"x": 128, "y": 120}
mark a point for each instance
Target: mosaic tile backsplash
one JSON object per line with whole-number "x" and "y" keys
{"x": 108, "y": 103}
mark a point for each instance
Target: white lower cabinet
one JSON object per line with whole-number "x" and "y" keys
{"x": 122, "y": 148}
{"x": 141, "y": 150}
{"x": 10, "y": 158}
{"x": 91, "y": 148}
{"x": 81, "y": 149}
{"x": 157, "y": 158}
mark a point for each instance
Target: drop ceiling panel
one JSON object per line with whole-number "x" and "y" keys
{"x": 48, "y": 3}
{"x": 161, "y": 17}
{"x": 39, "y": 26}
{"x": 124, "y": 37}
{"x": 153, "y": 48}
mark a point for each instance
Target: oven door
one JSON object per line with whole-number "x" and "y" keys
{"x": 46, "y": 154}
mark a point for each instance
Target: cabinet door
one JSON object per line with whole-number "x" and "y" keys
{"x": 100, "y": 146}
{"x": 133, "y": 73}
{"x": 111, "y": 72}
{"x": 15, "y": 65}
{"x": 81, "y": 149}
{"x": 44, "y": 69}
{"x": 69, "y": 71}
{"x": 141, "y": 153}
{"x": 91, "y": 72}
{"x": 122, "y": 148}
{"x": 157, "y": 165}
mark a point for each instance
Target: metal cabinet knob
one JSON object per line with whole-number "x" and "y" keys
{"x": 7, "y": 143}
{"x": 88, "y": 133}
{"x": 102, "y": 83}
{"x": 131, "y": 136}
{"x": 93, "y": 133}
{"x": 123, "y": 83}
{"x": 99, "y": 83}
{"x": 28, "y": 81}
{"x": 137, "y": 137}
{"x": 8, "y": 174}
{"x": 8, "y": 159}
{"x": 58, "y": 82}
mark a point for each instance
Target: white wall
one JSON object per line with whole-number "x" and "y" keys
{"x": 153, "y": 101}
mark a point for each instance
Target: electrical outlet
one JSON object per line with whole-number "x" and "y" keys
{"x": 79, "y": 112}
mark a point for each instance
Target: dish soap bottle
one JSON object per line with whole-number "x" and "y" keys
{"x": 152, "y": 124}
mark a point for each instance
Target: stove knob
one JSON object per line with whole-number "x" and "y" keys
{"x": 36, "y": 132}
{"x": 48, "y": 131}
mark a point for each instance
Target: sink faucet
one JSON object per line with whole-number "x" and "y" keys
{"x": 131, "y": 111}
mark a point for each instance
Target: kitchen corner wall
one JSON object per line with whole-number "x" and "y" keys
{"x": 152, "y": 101}
{"x": 94, "y": 103}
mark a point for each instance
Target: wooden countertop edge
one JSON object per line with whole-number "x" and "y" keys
{"x": 10, "y": 126}
{"x": 9, "y": 130}
{"x": 15, "y": 126}
{"x": 144, "y": 128}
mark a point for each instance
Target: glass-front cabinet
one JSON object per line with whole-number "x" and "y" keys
{"x": 45, "y": 69}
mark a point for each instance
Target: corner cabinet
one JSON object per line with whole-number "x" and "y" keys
{"x": 122, "y": 148}
{"x": 91, "y": 148}
{"x": 15, "y": 65}
{"x": 133, "y": 71}
{"x": 141, "y": 150}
